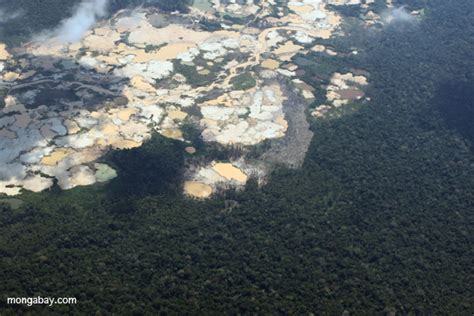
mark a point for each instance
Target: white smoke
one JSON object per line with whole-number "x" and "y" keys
{"x": 7, "y": 16}
{"x": 398, "y": 15}
{"x": 73, "y": 29}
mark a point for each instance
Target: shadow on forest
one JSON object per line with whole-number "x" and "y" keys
{"x": 59, "y": 81}
{"x": 455, "y": 101}
{"x": 156, "y": 167}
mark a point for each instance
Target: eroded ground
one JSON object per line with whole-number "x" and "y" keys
{"x": 66, "y": 105}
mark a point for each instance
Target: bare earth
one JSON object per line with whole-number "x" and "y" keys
{"x": 116, "y": 86}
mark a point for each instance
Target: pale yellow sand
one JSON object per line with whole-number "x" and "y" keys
{"x": 10, "y": 76}
{"x": 288, "y": 48}
{"x": 55, "y": 157}
{"x": 71, "y": 126}
{"x": 177, "y": 115}
{"x": 174, "y": 133}
{"x": 4, "y": 55}
{"x": 124, "y": 114}
{"x": 197, "y": 189}
{"x": 301, "y": 8}
{"x": 270, "y": 64}
{"x": 141, "y": 84}
{"x": 125, "y": 144}
{"x": 230, "y": 172}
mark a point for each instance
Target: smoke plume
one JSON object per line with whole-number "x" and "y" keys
{"x": 398, "y": 15}
{"x": 6, "y": 16}
{"x": 85, "y": 16}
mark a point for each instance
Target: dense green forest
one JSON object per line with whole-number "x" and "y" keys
{"x": 378, "y": 220}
